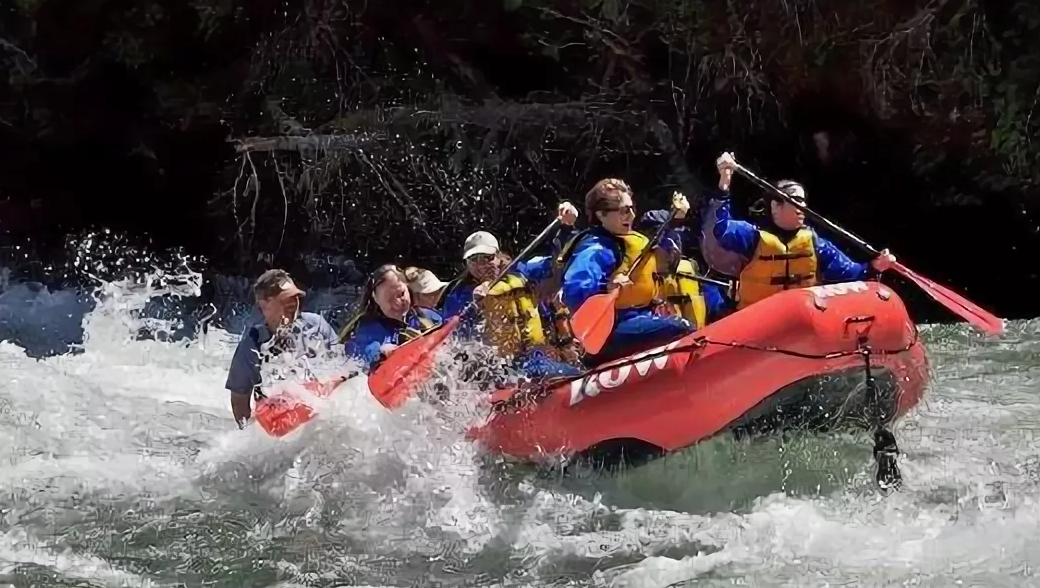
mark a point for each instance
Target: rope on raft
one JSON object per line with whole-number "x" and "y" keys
{"x": 542, "y": 390}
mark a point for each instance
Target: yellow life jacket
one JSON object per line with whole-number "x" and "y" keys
{"x": 513, "y": 323}
{"x": 682, "y": 294}
{"x": 777, "y": 266}
{"x": 643, "y": 291}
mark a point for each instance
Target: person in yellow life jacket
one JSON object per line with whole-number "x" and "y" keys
{"x": 780, "y": 252}
{"x": 597, "y": 260}
{"x": 542, "y": 324}
{"x": 387, "y": 319}
{"x": 510, "y": 308}
{"x": 699, "y": 302}
{"x": 679, "y": 291}
{"x": 427, "y": 289}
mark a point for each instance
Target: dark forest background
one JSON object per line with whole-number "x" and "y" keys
{"x": 258, "y": 132}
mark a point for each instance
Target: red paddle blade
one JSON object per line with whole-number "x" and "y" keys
{"x": 981, "y": 319}
{"x": 282, "y": 414}
{"x": 324, "y": 389}
{"x": 395, "y": 379}
{"x": 594, "y": 320}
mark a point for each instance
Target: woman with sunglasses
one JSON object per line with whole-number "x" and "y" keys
{"x": 387, "y": 318}
{"x": 778, "y": 252}
{"x": 598, "y": 259}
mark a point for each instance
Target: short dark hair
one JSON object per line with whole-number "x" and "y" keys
{"x": 605, "y": 195}
{"x": 271, "y": 283}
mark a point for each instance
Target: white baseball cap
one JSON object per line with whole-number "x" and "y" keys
{"x": 480, "y": 242}
{"x": 425, "y": 282}
{"x": 792, "y": 189}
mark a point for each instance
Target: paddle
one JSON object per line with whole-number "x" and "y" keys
{"x": 959, "y": 305}
{"x": 593, "y": 322}
{"x": 689, "y": 184}
{"x": 707, "y": 280}
{"x": 392, "y": 382}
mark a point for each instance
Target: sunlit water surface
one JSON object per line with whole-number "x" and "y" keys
{"x": 120, "y": 465}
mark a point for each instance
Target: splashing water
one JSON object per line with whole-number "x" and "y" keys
{"x": 120, "y": 465}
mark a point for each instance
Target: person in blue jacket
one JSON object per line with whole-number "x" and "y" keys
{"x": 509, "y": 314}
{"x": 387, "y": 318}
{"x": 284, "y": 328}
{"x": 598, "y": 260}
{"x": 715, "y": 298}
{"x": 482, "y": 255}
{"x": 777, "y": 254}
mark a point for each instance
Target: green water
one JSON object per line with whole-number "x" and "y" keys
{"x": 121, "y": 467}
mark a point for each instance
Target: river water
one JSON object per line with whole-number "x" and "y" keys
{"x": 120, "y": 465}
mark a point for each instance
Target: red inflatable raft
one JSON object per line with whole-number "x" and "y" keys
{"x": 795, "y": 360}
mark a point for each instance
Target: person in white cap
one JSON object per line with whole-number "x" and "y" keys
{"x": 511, "y": 308}
{"x": 284, "y": 328}
{"x": 426, "y": 288}
{"x": 480, "y": 243}
{"x": 779, "y": 252}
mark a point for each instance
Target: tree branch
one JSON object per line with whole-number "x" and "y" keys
{"x": 300, "y": 144}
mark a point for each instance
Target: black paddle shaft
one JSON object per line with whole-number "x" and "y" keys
{"x": 813, "y": 215}
{"x": 549, "y": 230}
{"x": 691, "y": 187}
{"x": 652, "y": 242}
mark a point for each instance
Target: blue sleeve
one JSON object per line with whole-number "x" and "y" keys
{"x": 545, "y": 311}
{"x": 244, "y": 373}
{"x": 835, "y": 266}
{"x": 536, "y": 269}
{"x": 671, "y": 240}
{"x": 740, "y": 237}
{"x": 365, "y": 342}
{"x": 715, "y": 301}
{"x": 587, "y": 274}
{"x": 456, "y": 300}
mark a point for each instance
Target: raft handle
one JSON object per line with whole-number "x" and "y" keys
{"x": 861, "y": 333}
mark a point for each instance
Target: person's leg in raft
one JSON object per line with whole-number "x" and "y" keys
{"x": 536, "y": 365}
{"x": 639, "y": 333}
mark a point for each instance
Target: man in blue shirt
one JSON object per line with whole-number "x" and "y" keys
{"x": 283, "y": 329}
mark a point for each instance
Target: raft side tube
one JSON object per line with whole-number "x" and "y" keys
{"x": 691, "y": 389}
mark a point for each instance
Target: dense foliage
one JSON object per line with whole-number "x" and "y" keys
{"x": 260, "y": 129}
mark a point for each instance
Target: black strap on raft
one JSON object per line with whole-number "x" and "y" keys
{"x": 886, "y": 452}
{"x": 790, "y": 280}
{"x": 545, "y": 388}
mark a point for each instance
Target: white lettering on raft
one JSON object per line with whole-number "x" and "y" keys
{"x": 591, "y": 386}
{"x": 832, "y": 290}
